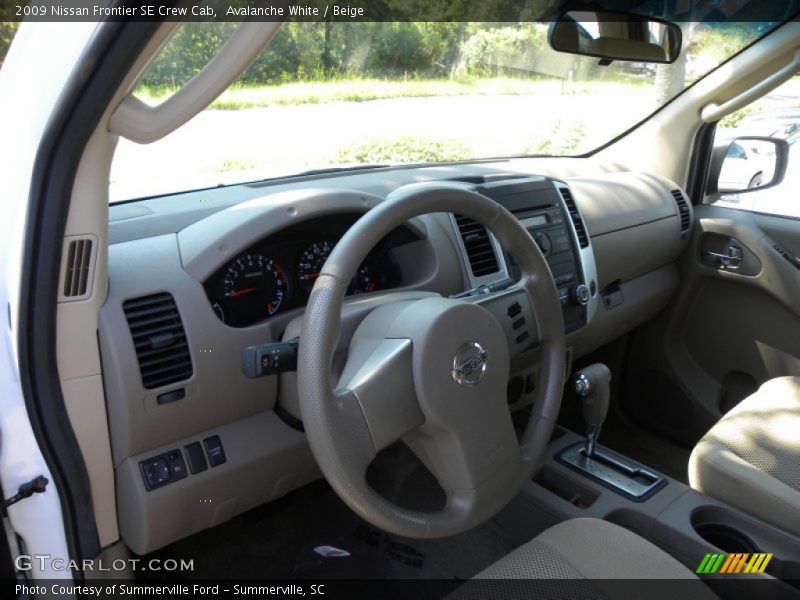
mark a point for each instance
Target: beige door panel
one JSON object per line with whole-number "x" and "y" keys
{"x": 784, "y": 230}
{"x": 731, "y": 326}
{"x": 776, "y": 277}
{"x": 742, "y": 319}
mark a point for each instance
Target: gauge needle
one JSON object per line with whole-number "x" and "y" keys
{"x": 240, "y": 292}
{"x": 310, "y": 275}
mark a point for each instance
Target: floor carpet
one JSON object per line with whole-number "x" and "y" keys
{"x": 311, "y": 534}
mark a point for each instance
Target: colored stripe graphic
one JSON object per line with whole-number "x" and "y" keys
{"x": 737, "y": 562}
{"x": 754, "y": 563}
{"x": 703, "y": 564}
{"x": 761, "y": 563}
{"x": 740, "y": 563}
{"x": 711, "y": 563}
{"x": 729, "y": 562}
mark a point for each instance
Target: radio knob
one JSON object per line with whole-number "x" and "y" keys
{"x": 580, "y": 293}
{"x": 543, "y": 241}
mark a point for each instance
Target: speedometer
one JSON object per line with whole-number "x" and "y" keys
{"x": 311, "y": 261}
{"x": 254, "y": 287}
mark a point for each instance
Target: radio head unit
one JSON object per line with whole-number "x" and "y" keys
{"x": 541, "y": 205}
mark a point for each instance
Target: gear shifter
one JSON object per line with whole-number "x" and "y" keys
{"x": 618, "y": 472}
{"x": 592, "y": 384}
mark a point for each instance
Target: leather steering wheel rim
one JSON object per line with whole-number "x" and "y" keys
{"x": 337, "y": 423}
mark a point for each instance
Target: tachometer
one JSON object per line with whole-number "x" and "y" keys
{"x": 311, "y": 261}
{"x": 254, "y": 286}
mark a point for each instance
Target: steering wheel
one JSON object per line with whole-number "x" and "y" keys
{"x": 432, "y": 371}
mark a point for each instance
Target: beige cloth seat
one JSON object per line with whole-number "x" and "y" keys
{"x": 751, "y": 458}
{"x": 584, "y": 558}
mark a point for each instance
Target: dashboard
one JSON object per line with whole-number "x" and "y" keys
{"x": 197, "y": 278}
{"x": 278, "y": 272}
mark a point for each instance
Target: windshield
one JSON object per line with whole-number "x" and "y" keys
{"x": 329, "y": 95}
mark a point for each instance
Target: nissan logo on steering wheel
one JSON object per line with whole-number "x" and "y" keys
{"x": 469, "y": 364}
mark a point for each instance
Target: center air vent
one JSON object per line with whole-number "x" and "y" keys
{"x": 683, "y": 210}
{"x": 479, "y": 247}
{"x": 159, "y": 339}
{"x": 575, "y": 216}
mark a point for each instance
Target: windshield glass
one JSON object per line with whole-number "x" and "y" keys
{"x": 326, "y": 95}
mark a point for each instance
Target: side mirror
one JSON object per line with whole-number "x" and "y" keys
{"x": 746, "y": 164}
{"x": 615, "y": 36}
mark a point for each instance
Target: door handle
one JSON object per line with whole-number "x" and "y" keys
{"x": 731, "y": 261}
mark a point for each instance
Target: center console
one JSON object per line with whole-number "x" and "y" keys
{"x": 546, "y": 208}
{"x": 579, "y": 478}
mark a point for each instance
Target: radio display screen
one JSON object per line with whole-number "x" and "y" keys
{"x": 534, "y": 221}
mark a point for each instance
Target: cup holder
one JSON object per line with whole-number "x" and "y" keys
{"x": 726, "y": 538}
{"x": 721, "y": 529}
{"x": 734, "y": 534}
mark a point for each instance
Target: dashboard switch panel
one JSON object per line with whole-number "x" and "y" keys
{"x": 163, "y": 469}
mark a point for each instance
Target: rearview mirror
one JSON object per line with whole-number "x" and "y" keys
{"x": 746, "y": 164}
{"x": 615, "y": 36}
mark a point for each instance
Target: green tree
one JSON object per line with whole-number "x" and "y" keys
{"x": 189, "y": 50}
{"x": 8, "y": 30}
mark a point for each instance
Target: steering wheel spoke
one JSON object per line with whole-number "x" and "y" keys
{"x": 468, "y": 454}
{"x": 383, "y": 384}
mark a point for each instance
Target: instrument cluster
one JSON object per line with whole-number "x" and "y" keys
{"x": 279, "y": 272}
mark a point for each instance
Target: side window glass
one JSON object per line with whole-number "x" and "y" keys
{"x": 749, "y": 165}
{"x": 191, "y": 47}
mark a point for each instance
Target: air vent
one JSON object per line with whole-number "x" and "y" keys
{"x": 683, "y": 210}
{"x": 159, "y": 339}
{"x": 575, "y": 216}
{"x": 76, "y": 268}
{"x": 478, "y": 244}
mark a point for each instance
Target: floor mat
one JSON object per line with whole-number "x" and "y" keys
{"x": 311, "y": 534}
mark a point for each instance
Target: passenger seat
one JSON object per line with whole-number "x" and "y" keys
{"x": 751, "y": 458}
